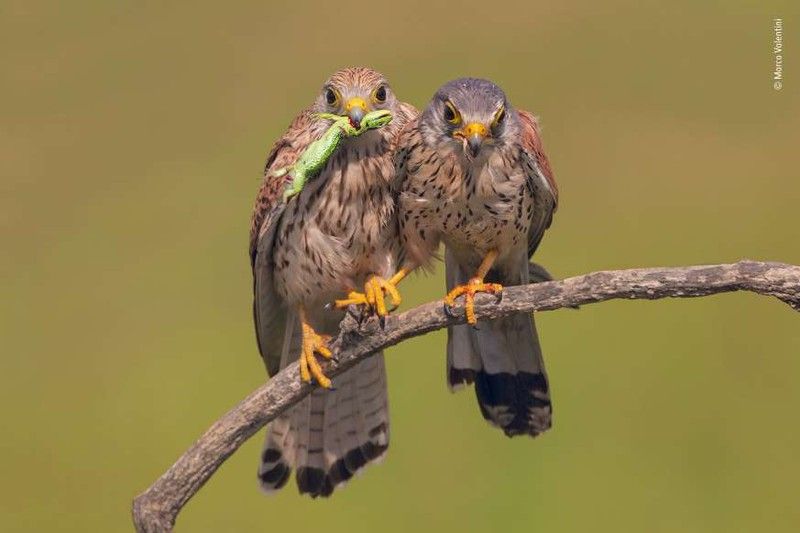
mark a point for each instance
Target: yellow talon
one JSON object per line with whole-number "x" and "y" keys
{"x": 369, "y": 289}
{"x": 313, "y": 342}
{"x": 353, "y": 298}
{"x": 394, "y": 294}
{"x": 377, "y": 294}
{"x": 474, "y": 286}
{"x": 304, "y": 375}
{"x": 373, "y": 296}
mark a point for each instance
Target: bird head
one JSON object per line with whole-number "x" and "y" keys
{"x": 469, "y": 114}
{"x": 353, "y": 92}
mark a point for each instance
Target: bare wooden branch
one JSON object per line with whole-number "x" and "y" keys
{"x": 156, "y": 509}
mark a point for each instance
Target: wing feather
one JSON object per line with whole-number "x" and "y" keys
{"x": 269, "y": 310}
{"x": 540, "y": 180}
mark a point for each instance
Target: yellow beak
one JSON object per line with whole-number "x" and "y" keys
{"x": 474, "y": 133}
{"x": 475, "y": 129}
{"x": 356, "y": 109}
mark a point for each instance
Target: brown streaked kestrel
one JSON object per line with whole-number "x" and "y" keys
{"x": 472, "y": 173}
{"x": 337, "y": 234}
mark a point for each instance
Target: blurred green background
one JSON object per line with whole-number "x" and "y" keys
{"x": 132, "y": 136}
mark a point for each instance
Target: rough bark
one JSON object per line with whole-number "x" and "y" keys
{"x": 156, "y": 509}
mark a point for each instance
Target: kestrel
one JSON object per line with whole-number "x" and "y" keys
{"x": 337, "y": 233}
{"x": 472, "y": 173}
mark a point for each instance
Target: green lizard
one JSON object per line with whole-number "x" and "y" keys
{"x": 313, "y": 159}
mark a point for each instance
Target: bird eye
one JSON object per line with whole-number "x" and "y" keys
{"x": 380, "y": 94}
{"x": 331, "y": 96}
{"x": 450, "y": 113}
{"x": 499, "y": 117}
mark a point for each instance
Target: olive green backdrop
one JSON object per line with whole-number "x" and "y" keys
{"x": 132, "y": 137}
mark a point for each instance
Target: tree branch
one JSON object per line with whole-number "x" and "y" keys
{"x": 157, "y": 508}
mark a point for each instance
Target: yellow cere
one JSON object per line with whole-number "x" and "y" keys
{"x": 475, "y": 128}
{"x": 356, "y": 102}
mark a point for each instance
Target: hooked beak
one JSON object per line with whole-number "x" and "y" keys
{"x": 356, "y": 109}
{"x": 474, "y": 134}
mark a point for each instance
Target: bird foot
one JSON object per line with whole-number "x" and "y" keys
{"x": 469, "y": 290}
{"x": 374, "y": 296}
{"x": 309, "y": 366}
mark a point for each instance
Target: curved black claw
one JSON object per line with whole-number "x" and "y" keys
{"x": 448, "y": 310}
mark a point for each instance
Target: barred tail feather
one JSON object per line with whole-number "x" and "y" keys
{"x": 331, "y": 435}
{"x": 463, "y": 360}
{"x": 512, "y": 387}
{"x": 311, "y": 464}
{"x": 503, "y": 359}
{"x": 274, "y": 471}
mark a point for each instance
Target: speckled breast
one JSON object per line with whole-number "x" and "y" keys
{"x": 489, "y": 208}
{"x": 339, "y": 229}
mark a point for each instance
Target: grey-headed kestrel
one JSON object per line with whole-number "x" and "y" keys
{"x": 472, "y": 173}
{"x": 338, "y": 234}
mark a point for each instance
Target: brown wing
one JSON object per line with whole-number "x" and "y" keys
{"x": 269, "y": 309}
{"x": 283, "y": 153}
{"x": 540, "y": 180}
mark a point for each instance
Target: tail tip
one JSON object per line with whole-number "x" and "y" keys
{"x": 519, "y": 404}
{"x": 458, "y": 378}
{"x": 273, "y": 472}
{"x": 313, "y": 481}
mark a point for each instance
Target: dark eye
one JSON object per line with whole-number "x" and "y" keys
{"x": 380, "y": 94}
{"x": 331, "y": 97}
{"x": 450, "y": 113}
